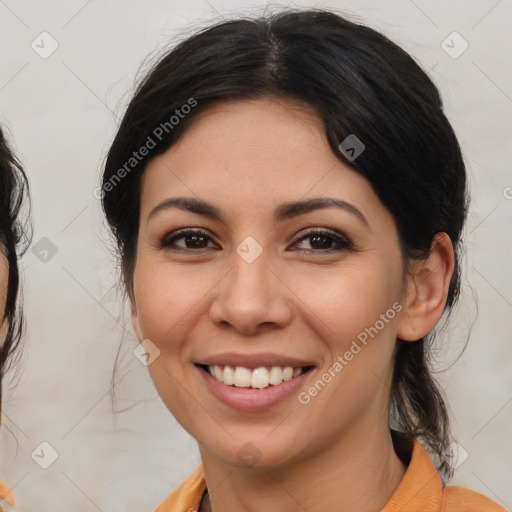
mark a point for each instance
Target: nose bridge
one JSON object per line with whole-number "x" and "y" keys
{"x": 249, "y": 270}
{"x": 249, "y": 281}
{"x": 250, "y": 293}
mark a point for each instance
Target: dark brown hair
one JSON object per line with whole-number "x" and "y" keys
{"x": 358, "y": 82}
{"x": 14, "y": 240}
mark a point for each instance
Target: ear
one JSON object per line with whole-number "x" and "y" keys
{"x": 135, "y": 320}
{"x": 427, "y": 290}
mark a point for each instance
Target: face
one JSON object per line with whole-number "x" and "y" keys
{"x": 252, "y": 273}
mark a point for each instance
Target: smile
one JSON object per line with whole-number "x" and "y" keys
{"x": 257, "y": 378}
{"x": 254, "y": 383}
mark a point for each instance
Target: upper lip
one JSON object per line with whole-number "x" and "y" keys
{"x": 254, "y": 360}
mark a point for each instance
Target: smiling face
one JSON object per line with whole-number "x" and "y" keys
{"x": 270, "y": 277}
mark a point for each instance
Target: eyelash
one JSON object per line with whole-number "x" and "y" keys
{"x": 343, "y": 243}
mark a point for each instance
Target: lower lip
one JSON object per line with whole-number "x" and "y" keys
{"x": 250, "y": 399}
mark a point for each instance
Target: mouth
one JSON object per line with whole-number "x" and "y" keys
{"x": 261, "y": 377}
{"x": 254, "y": 382}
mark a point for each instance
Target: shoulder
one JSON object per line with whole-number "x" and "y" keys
{"x": 460, "y": 499}
{"x": 187, "y": 496}
{"x": 6, "y": 494}
{"x": 422, "y": 489}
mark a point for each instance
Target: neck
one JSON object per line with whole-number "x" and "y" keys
{"x": 361, "y": 472}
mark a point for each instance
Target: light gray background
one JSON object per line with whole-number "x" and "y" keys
{"x": 62, "y": 113}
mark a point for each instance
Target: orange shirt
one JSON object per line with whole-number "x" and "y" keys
{"x": 421, "y": 490}
{"x": 6, "y": 494}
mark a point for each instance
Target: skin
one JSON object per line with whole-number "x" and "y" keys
{"x": 248, "y": 157}
{"x": 4, "y": 280}
{"x": 6, "y": 493}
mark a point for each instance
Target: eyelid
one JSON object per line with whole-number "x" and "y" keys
{"x": 341, "y": 238}
{"x": 323, "y": 231}
{"x": 180, "y": 233}
{"x": 344, "y": 242}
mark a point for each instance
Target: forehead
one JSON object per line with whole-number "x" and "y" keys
{"x": 257, "y": 151}
{"x": 253, "y": 130}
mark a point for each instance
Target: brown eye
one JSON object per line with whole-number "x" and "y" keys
{"x": 324, "y": 241}
{"x": 192, "y": 240}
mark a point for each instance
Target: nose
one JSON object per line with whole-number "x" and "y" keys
{"x": 251, "y": 298}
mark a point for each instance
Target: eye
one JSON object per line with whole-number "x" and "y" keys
{"x": 324, "y": 241}
{"x": 319, "y": 241}
{"x": 192, "y": 239}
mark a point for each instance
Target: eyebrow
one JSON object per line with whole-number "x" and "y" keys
{"x": 282, "y": 212}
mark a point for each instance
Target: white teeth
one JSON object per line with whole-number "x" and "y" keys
{"x": 229, "y": 375}
{"x": 242, "y": 377}
{"x": 276, "y": 375}
{"x": 259, "y": 378}
{"x": 287, "y": 373}
{"x": 217, "y": 372}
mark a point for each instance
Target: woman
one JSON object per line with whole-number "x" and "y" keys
{"x": 287, "y": 198}
{"x": 13, "y": 242}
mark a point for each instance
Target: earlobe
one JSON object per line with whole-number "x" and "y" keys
{"x": 427, "y": 290}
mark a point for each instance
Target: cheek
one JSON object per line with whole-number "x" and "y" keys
{"x": 347, "y": 300}
{"x": 353, "y": 311}
{"x": 166, "y": 300}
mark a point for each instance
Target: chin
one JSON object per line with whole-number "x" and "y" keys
{"x": 254, "y": 454}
